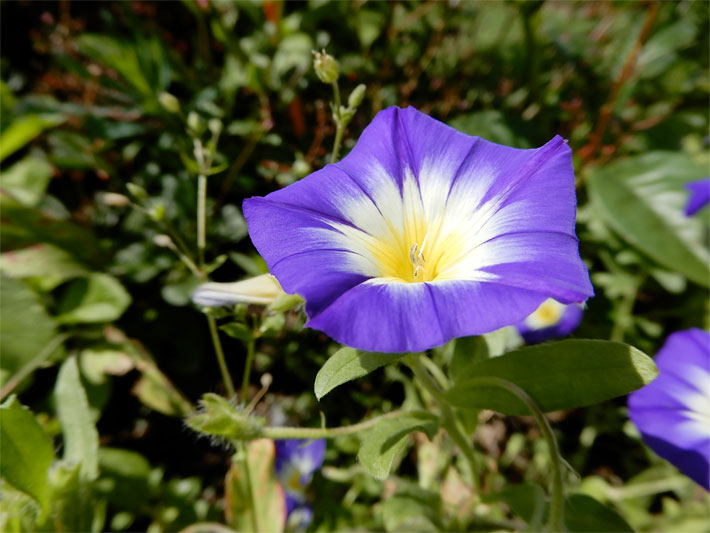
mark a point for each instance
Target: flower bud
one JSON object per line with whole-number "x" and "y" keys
{"x": 169, "y": 102}
{"x": 355, "y": 98}
{"x": 138, "y": 192}
{"x": 195, "y": 123}
{"x": 115, "y": 199}
{"x": 164, "y": 241}
{"x": 215, "y": 126}
{"x": 325, "y": 66}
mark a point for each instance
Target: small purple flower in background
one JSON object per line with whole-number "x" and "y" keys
{"x": 296, "y": 462}
{"x": 673, "y": 412}
{"x": 423, "y": 234}
{"x": 551, "y": 320}
{"x": 699, "y": 195}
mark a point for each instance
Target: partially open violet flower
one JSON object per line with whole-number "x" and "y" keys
{"x": 549, "y": 321}
{"x": 422, "y": 234}
{"x": 296, "y": 462}
{"x": 673, "y": 412}
{"x": 699, "y": 195}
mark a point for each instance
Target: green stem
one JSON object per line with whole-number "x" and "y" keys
{"x": 228, "y": 383}
{"x": 556, "y": 521}
{"x": 247, "y": 369}
{"x": 339, "y": 127}
{"x": 250, "y": 493}
{"x": 201, "y": 220}
{"x": 327, "y": 433}
{"x": 448, "y": 418}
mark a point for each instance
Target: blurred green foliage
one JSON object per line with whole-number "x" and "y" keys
{"x": 101, "y": 108}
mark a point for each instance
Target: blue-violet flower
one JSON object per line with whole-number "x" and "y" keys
{"x": 296, "y": 462}
{"x": 673, "y": 411}
{"x": 422, "y": 234}
{"x": 551, "y": 320}
{"x": 699, "y": 196}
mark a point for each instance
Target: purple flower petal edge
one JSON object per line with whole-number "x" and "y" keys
{"x": 673, "y": 411}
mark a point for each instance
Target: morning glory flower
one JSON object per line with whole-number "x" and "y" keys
{"x": 423, "y": 234}
{"x": 699, "y": 195}
{"x": 551, "y": 320}
{"x": 296, "y": 462}
{"x": 673, "y": 411}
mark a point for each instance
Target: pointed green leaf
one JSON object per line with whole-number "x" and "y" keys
{"x": 585, "y": 514}
{"x": 27, "y": 179}
{"x": 26, "y": 451}
{"x": 383, "y": 444}
{"x": 642, "y": 199}
{"x": 347, "y": 364}
{"x": 557, "y": 375}
{"x": 25, "y": 329}
{"x": 22, "y": 130}
{"x": 96, "y": 298}
{"x": 81, "y": 440}
{"x": 47, "y": 265}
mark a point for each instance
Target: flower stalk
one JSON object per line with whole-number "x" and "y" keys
{"x": 449, "y": 422}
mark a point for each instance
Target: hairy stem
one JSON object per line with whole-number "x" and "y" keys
{"x": 556, "y": 520}
{"x": 339, "y": 126}
{"x": 201, "y": 221}
{"x": 327, "y": 433}
{"x": 448, "y": 418}
{"x": 214, "y": 334}
{"x": 247, "y": 369}
{"x": 244, "y": 458}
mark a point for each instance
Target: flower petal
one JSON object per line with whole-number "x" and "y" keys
{"x": 412, "y": 317}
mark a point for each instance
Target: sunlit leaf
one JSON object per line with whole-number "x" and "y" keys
{"x": 347, "y": 364}
{"x": 557, "y": 375}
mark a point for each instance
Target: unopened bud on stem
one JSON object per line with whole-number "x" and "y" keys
{"x": 325, "y": 66}
{"x": 355, "y": 98}
{"x": 169, "y": 102}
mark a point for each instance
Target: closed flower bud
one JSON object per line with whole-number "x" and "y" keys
{"x": 138, "y": 192}
{"x": 195, "y": 123}
{"x": 169, "y": 102}
{"x": 215, "y": 126}
{"x": 355, "y": 98}
{"x": 163, "y": 241}
{"x": 326, "y": 67}
{"x": 115, "y": 199}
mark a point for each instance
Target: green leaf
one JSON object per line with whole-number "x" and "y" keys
{"x": 527, "y": 500}
{"x": 120, "y": 56}
{"x": 384, "y": 443}
{"x": 124, "y": 478}
{"x": 48, "y": 265}
{"x": 493, "y": 126}
{"x": 24, "y": 226}
{"x": 294, "y": 51}
{"x": 96, "y": 298}
{"x": 74, "y": 506}
{"x": 269, "y": 511}
{"x": 26, "y": 451}
{"x": 238, "y": 331}
{"x": 558, "y": 375}
{"x": 642, "y": 199}
{"x": 26, "y": 328}
{"x": 585, "y": 514}
{"x": 27, "y": 179}
{"x": 81, "y": 440}
{"x": 22, "y": 130}
{"x": 347, "y": 364}
{"x": 412, "y": 508}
